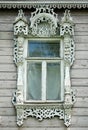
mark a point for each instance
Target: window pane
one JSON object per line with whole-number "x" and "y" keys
{"x": 34, "y": 81}
{"x": 53, "y": 81}
{"x": 44, "y": 49}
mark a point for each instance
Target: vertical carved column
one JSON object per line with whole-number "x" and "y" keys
{"x": 67, "y": 32}
{"x": 20, "y": 31}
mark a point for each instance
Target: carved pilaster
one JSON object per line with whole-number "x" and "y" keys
{"x": 20, "y": 31}
{"x": 67, "y": 32}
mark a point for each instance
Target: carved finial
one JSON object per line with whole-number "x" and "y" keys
{"x": 20, "y": 24}
{"x": 67, "y": 17}
{"x": 67, "y": 25}
{"x": 20, "y": 14}
{"x": 20, "y": 17}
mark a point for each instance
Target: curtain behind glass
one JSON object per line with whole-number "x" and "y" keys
{"x": 53, "y": 81}
{"x": 34, "y": 81}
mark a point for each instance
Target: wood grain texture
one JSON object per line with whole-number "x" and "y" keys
{"x": 7, "y": 43}
{"x": 7, "y": 84}
{"x": 79, "y": 82}
{"x": 6, "y": 59}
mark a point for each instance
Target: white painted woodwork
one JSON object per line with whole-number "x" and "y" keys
{"x": 44, "y": 74}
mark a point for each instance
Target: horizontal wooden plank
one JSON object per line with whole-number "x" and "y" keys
{"x": 8, "y": 76}
{"x": 6, "y": 51}
{"x": 79, "y": 73}
{"x": 7, "y": 112}
{"x": 79, "y": 128}
{"x": 81, "y": 102}
{"x": 8, "y": 15}
{"x": 80, "y": 64}
{"x": 80, "y": 27}
{"x": 81, "y": 39}
{"x": 79, "y": 121}
{"x": 6, "y": 59}
{"x": 6, "y": 27}
{"x": 79, "y": 12}
{"x": 81, "y": 55}
{"x": 6, "y": 43}
{"x": 80, "y": 111}
{"x": 78, "y": 33}
{"x": 81, "y": 91}
{"x": 81, "y": 47}
{"x": 59, "y": 128}
{"x": 17, "y": 128}
{"x": 7, "y": 84}
{"x": 6, "y": 102}
{"x": 6, "y": 35}
{"x": 7, "y": 67}
{"x": 79, "y": 82}
{"x": 80, "y": 19}
{"x": 6, "y": 92}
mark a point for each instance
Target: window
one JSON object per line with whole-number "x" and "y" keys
{"x": 43, "y": 54}
{"x": 44, "y": 66}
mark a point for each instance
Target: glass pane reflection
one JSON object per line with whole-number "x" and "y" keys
{"x": 44, "y": 49}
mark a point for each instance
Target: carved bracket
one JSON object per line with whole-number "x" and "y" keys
{"x": 44, "y": 23}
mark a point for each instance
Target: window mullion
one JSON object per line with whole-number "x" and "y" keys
{"x": 44, "y": 71}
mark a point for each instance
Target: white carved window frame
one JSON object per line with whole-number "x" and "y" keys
{"x": 41, "y": 60}
{"x": 24, "y": 32}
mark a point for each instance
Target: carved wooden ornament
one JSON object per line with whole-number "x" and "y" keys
{"x": 43, "y": 23}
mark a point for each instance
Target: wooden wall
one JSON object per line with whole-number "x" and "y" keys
{"x": 79, "y": 76}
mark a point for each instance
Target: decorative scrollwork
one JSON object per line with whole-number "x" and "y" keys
{"x": 67, "y": 31}
{"x": 43, "y": 22}
{"x": 69, "y": 48}
{"x": 20, "y": 24}
{"x": 43, "y": 113}
{"x": 67, "y": 25}
{"x": 18, "y": 50}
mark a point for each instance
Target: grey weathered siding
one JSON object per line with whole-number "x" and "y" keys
{"x": 79, "y": 76}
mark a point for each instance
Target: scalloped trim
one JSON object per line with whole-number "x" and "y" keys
{"x": 59, "y": 4}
